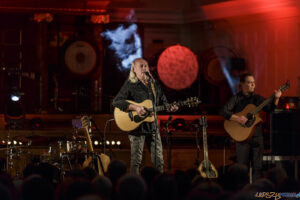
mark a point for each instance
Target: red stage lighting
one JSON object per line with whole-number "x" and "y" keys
{"x": 100, "y": 19}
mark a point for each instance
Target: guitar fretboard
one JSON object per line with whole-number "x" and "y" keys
{"x": 262, "y": 105}
{"x": 268, "y": 100}
{"x": 204, "y": 125}
{"x": 168, "y": 106}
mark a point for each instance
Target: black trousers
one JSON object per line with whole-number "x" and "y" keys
{"x": 252, "y": 151}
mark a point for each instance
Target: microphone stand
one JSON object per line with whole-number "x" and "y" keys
{"x": 156, "y": 128}
{"x": 169, "y": 135}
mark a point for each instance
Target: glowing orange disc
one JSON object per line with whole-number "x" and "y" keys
{"x": 177, "y": 67}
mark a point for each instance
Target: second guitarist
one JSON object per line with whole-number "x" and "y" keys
{"x": 138, "y": 88}
{"x": 252, "y": 149}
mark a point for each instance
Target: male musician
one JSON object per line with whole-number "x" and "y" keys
{"x": 251, "y": 150}
{"x": 138, "y": 88}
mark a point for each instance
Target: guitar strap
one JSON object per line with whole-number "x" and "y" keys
{"x": 153, "y": 90}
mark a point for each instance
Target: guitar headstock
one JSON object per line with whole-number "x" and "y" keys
{"x": 285, "y": 86}
{"x": 85, "y": 121}
{"x": 192, "y": 101}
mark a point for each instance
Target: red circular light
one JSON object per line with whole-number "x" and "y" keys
{"x": 177, "y": 67}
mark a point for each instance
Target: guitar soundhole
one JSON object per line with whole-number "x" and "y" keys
{"x": 138, "y": 118}
{"x": 251, "y": 120}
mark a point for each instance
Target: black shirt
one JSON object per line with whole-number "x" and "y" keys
{"x": 239, "y": 101}
{"x": 138, "y": 92}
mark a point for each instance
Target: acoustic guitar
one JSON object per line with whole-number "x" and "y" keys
{"x": 128, "y": 121}
{"x": 206, "y": 168}
{"x": 104, "y": 161}
{"x": 239, "y": 132}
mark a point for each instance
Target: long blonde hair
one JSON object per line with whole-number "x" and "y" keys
{"x": 132, "y": 76}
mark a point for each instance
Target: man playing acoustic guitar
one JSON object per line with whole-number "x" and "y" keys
{"x": 251, "y": 149}
{"x": 138, "y": 88}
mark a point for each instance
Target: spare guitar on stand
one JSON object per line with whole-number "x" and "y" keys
{"x": 102, "y": 161}
{"x": 206, "y": 168}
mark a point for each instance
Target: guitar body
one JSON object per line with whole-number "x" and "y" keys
{"x": 241, "y": 133}
{"x": 128, "y": 121}
{"x": 207, "y": 169}
{"x": 105, "y": 159}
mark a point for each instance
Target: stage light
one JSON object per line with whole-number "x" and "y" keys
{"x": 118, "y": 143}
{"x": 113, "y": 142}
{"x": 36, "y": 123}
{"x": 15, "y": 142}
{"x": 178, "y": 124}
{"x": 15, "y": 94}
{"x": 107, "y": 142}
{"x": 14, "y": 111}
{"x": 96, "y": 142}
{"x": 43, "y": 17}
{"x": 15, "y": 97}
{"x": 99, "y": 19}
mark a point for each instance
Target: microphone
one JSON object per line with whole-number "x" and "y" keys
{"x": 148, "y": 75}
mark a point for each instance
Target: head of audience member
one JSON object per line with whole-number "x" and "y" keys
{"x": 183, "y": 183}
{"x": 260, "y": 185}
{"x": 115, "y": 170}
{"x": 131, "y": 187}
{"x": 236, "y": 177}
{"x": 103, "y": 187}
{"x": 289, "y": 185}
{"x": 36, "y": 187}
{"x": 210, "y": 187}
{"x": 6, "y": 180}
{"x": 89, "y": 197}
{"x": 244, "y": 195}
{"x": 90, "y": 173}
{"x": 164, "y": 187}
{"x": 276, "y": 175}
{"x": 77, "y": 189}
{"x": 149, "y": 173}
{"x": 5, "y": 194}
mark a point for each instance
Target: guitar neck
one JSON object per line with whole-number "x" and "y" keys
{"x": 168, "y": 106}
{"x": 88, "y": 138}
{"x": 204, "y": 141}
{"x": 262, "y": 105}
{"x": 268, "y": 100}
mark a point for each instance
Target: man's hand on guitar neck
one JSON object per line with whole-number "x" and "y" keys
{"x": 139, "y": 109}
{"x": 277, "y": 94}
{"x": 173, "y": 108}
{"x": 239, "y": 119}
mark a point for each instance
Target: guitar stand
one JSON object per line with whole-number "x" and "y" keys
{"x": 96, "y": 156}
{"x": 169, "y": 147}
{"x": 197, "y": 160}
{"x": 64, "y": 156}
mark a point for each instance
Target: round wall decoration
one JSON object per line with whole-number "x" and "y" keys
{"x": 80, "y": 57}
{"x": 177, "y": 67}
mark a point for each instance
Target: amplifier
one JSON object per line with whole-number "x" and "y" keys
{"x": 285, "y": 132}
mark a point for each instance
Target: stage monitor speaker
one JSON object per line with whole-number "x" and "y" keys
{"x": 285, "y": 132}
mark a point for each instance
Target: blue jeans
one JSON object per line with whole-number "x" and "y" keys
{"x": 137, "y": 147}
